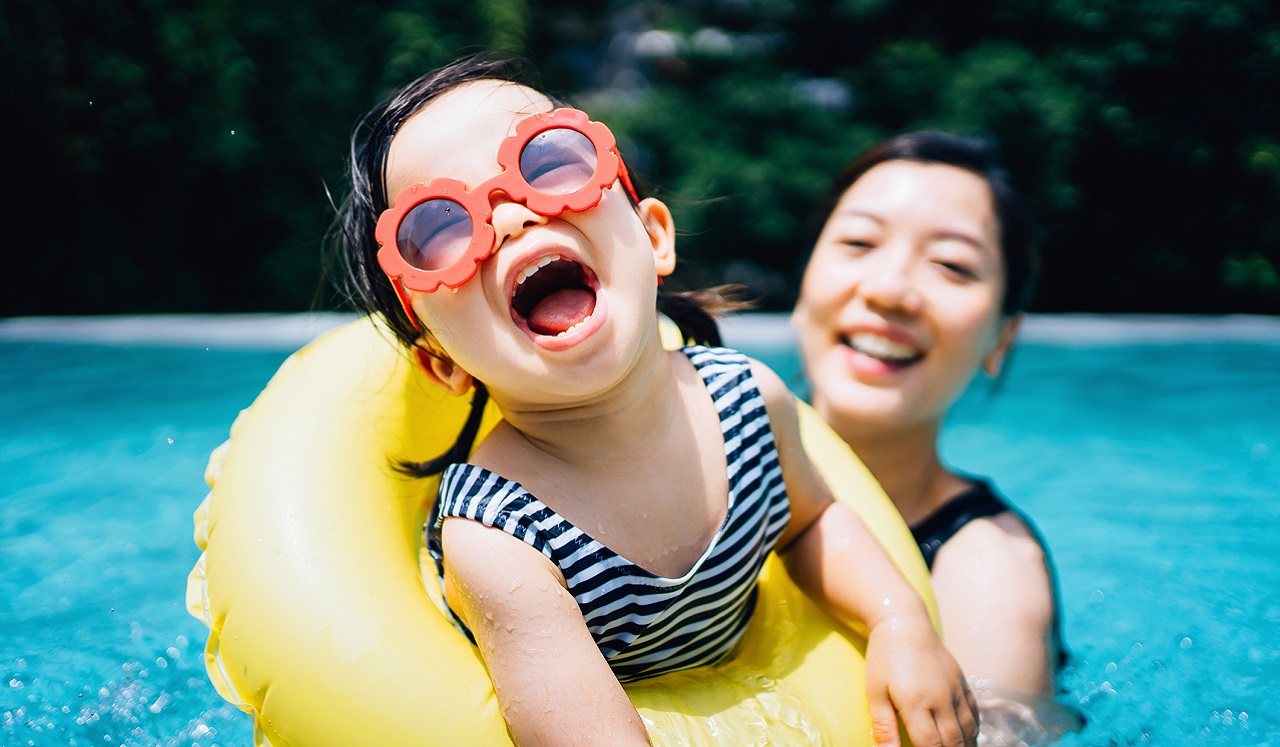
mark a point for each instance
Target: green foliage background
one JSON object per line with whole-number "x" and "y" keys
{"x": 174, "y": 155}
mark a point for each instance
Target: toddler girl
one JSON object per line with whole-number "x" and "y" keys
{"x": 613, "y": 525}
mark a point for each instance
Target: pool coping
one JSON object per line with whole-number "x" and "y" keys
{"x": 283, "y": 331}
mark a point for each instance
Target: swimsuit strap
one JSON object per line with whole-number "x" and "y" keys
{"x": 934, "y": 530}
{"x": 979, "y": 502}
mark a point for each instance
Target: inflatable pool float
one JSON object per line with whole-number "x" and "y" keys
{"x": 322, "y": 628}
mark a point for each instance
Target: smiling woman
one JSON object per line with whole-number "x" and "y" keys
{"x": 917, "y": 282}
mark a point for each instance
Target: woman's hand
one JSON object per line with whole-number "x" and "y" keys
{"x": 911, "y": 676}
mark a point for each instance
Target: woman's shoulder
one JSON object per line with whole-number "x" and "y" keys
{"x": 1000, "y": 561}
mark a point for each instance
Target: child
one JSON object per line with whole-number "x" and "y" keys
{"x": 522, "y": 263}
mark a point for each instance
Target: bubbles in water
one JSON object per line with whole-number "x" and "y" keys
{"x": 170, "y": 440}
{"x": 1184, "y": 644}
{"x": 1096, "y": 597}
{"x": 233, "y": 132}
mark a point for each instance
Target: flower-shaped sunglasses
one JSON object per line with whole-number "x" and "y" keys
{"x": 438, "y": 234}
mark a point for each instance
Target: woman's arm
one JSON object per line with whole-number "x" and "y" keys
{"x": 552, "y": 683}
{"x": 832, "y": 556}
{"x": 996, "y": 598}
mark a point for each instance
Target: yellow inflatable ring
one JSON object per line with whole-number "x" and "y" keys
{"x": 320, "y": 625}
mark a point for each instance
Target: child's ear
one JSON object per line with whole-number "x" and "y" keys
{"x": 661, "y": 228}
{"x": 443, "y": 372}
{"x": 994, "y": 360}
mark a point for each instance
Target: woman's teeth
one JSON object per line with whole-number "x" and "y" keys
{"x": 529, "y": 271}
{"x": 882, "y": 348}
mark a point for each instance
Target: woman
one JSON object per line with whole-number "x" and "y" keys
{"x": 918, "y": 280}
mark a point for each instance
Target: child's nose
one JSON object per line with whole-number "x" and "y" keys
{"x": 511, "y": 219}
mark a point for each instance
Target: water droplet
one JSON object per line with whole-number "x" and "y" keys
{"x": 161, "y": 662}
{"x": 1185, "y": 644}
{"x": 276, "y": 550}
{"x": 1136, "y": 649}
{"x": 1111, "y": 668}
{"x": 1097, "y": 596}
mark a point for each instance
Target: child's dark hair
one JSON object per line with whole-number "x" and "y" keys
{"x": 353, "y": 250}
{"x": 1019, "y": 235}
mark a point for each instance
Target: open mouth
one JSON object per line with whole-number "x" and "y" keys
{"x": 883, "y": 349}
{"x": 554, "y": 296}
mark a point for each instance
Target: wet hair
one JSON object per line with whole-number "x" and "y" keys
{"x": 1019, "y": 235}
{"x": 352, "y": 262}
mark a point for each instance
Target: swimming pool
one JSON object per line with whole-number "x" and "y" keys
{"x": 1153, "y": 468}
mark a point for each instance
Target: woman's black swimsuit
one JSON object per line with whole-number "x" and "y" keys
{"x": 979, "y": 502}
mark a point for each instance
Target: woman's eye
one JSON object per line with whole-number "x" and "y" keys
{"x": 958, "y": 269}
{"x": 857, "y": 244}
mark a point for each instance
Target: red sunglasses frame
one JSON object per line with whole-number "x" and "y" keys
{"x": 477, "y": 202}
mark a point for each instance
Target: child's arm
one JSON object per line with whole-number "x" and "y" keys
{"x": 552, "y": 683}
{"x": 834, "y": 558}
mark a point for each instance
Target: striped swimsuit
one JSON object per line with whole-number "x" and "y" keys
{"x": 647, "y": 625}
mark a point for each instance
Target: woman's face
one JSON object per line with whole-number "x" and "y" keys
{"x": 900, "y": 303}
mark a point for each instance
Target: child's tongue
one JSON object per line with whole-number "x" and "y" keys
{"x": 561, "y": 310}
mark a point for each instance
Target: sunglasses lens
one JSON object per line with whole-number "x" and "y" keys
{"x": 434, "y": 234}
{"x": 558, "y": 161}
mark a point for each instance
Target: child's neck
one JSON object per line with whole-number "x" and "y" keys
{"x": 629, "y": 420}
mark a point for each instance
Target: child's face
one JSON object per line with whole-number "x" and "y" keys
{"x": 563, "y": 305}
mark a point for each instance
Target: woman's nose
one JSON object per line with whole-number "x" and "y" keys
{"x": 888, "y": 283}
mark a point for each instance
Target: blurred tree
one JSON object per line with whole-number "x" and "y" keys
{"x": 173, "y": 155}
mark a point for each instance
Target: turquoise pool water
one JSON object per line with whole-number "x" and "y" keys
{"x": 1153, "y": 470}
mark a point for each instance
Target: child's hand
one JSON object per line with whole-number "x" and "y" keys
{"x": 911, "y": 675}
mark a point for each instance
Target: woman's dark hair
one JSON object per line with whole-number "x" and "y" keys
{"x": 352, "y": 264}
{"x": 1019, "y": 235}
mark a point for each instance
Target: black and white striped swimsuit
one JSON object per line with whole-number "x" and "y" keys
{"x": 644, "y": 624}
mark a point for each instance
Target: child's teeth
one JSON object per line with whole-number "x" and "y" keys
{"x": 574, "y": 328}
{"x": 528, "y": 272}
